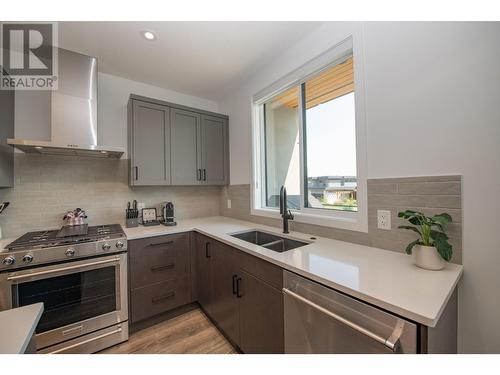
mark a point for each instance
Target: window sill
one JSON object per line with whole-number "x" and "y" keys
{"x": 340, "y": 220}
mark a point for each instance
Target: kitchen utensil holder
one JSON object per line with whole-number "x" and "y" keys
{"x": 132, "y": 223}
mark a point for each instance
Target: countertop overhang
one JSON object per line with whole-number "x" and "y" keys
{"x": 17, "y": 326}
{"x": 383, "y": 278}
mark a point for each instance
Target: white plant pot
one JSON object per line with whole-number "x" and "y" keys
{"x": 427, "y": 257}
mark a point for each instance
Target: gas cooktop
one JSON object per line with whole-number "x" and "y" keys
{"x": 66, "y": 236}
{"x": 66, "y": 244}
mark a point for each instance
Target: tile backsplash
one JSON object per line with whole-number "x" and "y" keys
{"x": 430, "y": 195}
{"x": 48, "y": 186}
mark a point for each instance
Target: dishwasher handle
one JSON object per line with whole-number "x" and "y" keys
{"x": 392, "y": 342}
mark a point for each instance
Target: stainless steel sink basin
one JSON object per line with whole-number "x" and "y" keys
{"x": 269, "y": 241}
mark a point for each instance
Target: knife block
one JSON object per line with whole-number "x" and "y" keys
{"x": 132, "y": 223}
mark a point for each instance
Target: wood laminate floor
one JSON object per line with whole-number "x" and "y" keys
{"x": 189, "y": 333}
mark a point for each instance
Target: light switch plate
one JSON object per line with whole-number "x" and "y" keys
{"x": 384, "y": 219}
{"x": 229, "y": 203}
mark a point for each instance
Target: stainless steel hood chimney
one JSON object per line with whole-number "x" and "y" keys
{"x": 73, "y": 111}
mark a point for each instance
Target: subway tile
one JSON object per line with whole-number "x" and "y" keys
{"x": 435, "y": 188}
{"x": 443, "y": 201}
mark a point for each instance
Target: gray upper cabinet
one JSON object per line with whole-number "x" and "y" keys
{"x": 170, "y": 144}
{"x": 214, "y": 150}
{"x": 185, "y": 146}
{"x": 150, "y": 138}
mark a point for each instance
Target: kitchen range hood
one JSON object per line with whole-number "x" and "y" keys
{"x": 72, "y": 118}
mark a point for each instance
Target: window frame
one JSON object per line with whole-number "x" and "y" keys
{"x": 352, "y": 45}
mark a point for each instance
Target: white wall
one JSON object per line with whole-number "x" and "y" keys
{"x": 432, "y": 108}
{"x": 113, "y": 95}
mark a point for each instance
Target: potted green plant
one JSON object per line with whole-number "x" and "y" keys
{"x": 431, "y": 250}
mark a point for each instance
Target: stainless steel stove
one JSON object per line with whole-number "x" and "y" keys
{"x": 80, "y": 275}
{"x": 70, "y": 242}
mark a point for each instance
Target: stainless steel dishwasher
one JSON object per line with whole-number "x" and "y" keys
{"x": 321, "y": 320}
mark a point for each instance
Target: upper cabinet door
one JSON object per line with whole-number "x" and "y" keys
{"x": 185, "y": 146}
{"x": 214, "y": 150}
{"x": 150, "y": 163}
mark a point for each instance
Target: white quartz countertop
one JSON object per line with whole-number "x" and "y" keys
{"x": 383, "y": 278}
{"x": 17, "y": 326}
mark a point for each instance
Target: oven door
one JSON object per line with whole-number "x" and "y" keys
{"x": 79, "y": 297}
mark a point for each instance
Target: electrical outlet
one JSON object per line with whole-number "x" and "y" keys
{"x": 229, "y": 203}
{"x": 384, "y": 219}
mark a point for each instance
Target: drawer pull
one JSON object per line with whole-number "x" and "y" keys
{"x": 163, "y": 267}
{"x": 163, "y": 298}
{"x": 207, "y": 250}
{"x": 238, "y": 286}
{"x": 234, "y": 284}
{"x": 161, "y": 243}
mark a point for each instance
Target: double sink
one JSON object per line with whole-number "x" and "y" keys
{"x": 269, "y": 241}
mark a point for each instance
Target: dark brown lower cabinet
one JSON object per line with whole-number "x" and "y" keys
{"x": 248, "y": 308}
{"x": 159, "y": 275}
{"x": 225, "y": 310}
{"x": 203, "y": 256}
{"x": 241, "y": 293}
{"x": 261, "y": 316}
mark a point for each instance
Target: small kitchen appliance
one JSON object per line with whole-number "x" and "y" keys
{"x": 168, "y": 214}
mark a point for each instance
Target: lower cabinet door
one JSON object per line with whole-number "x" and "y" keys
{"x": 203, "y": 255}
{"x": 224, "y": 300}
{"x": 261, "y": 316}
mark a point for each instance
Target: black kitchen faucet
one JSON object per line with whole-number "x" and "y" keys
{"x": 286, "y": 214}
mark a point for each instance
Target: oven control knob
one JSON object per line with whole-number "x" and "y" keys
{"x": 9, "y": 261}
{"x": 106, "y": 246}
{"x": 70, "y": 252}
{"x": 28, "y": 258}
{"x": 119, "y": 245}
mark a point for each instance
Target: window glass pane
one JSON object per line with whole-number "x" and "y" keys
{"x": 282, "y": 153}
{"x": 330, "y": 140}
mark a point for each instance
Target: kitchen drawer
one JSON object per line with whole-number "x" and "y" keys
{"x": 260, "y": 268}
{"x": 158, "y": 298}
{"x": 157, "y": 259}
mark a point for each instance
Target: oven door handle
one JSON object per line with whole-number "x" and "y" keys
{"x": 62, "y": 269}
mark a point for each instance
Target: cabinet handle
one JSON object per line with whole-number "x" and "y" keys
{"x": 136, "y": 172}
{"x": 198, "y": 174}
{"x": 234, "y": 284}
{"x": 204, "y": 175}
{"x": 238, "y": 285}
{"x": 207, "y": 250}
{"x": 161, "y": 243}
{"x": 163, "y": 298}
{"x": 163, "y": 267}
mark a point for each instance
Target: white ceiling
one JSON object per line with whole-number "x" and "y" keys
{"x": 206, "y": 59}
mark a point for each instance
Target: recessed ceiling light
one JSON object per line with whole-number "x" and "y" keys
{"x": 149, "y": 35}
{"x": 38, "y": 147}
